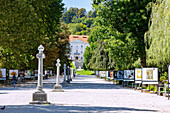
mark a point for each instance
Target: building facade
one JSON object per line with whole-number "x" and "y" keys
{"x": 78, "y": 44}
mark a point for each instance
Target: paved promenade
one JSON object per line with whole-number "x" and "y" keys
{"x": 85, "y": 94}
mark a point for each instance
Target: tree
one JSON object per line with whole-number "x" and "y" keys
{"x": 24, "y": 26}
{"x": 158, "y": 36}
{"x": 126, "y": 17}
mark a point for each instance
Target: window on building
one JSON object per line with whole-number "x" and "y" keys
{"x": 76, "y": 51}
{"x": 76, "y": 46}
{"x": 81, "y": 58}
{"x": 81, "y": 52}
{"x": 81, "y": 46}
{"x": 71, "y": 46}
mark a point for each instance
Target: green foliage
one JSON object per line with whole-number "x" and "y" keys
{"x": 24, "y": 26}
{"x": 79, "y": 23}
{"x": 158, "y": 36}
{"x": 72, "y": 65}
{"x": 84, "y": 72}
{"x": 121, "y": 25}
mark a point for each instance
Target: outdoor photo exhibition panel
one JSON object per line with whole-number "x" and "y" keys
{"x": 36, "y": 73}
{"x": 2, "y": 74}
{"x": 102, "y": 73}
{"x": 119, "y": 75}
{"x": 12, "y": 72}
{"x": 129, "y": 75}
{"x": 28, "y": 74}
{"x": 150, "y": 76}
{"x": 138, "y": 76}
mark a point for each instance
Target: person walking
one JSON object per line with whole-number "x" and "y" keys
{"x": 19, "y": 80}
{"x": 13, "y": 80}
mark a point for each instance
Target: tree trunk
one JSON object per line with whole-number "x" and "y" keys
{"x": 143, "y": 59}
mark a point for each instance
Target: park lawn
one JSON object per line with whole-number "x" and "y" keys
{"x": 84, "y": 72}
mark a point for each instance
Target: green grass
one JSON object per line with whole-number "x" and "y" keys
{"x": 84, "y": 72}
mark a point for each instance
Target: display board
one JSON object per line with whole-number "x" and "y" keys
{"x": 12, "y": 72}
{"x": 47, "y": 72}
{"x": 119, "y": 75}
{"x": 102, "y": 73}
{"x": 51, "y": 72}
{"x": 28, "y": 74}
{"x": 129, "y": 75}
{"x": 150, "y": 76}
{"x": 111, "y": 74}
{"x": 2, "y": 74}
{"x": 138, "y": 76}
{"x": 36, "y": 73}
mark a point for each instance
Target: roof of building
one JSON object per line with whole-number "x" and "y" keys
{"x": 83, "y": 38}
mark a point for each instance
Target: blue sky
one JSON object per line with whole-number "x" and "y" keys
{"x": 78, "y": 3}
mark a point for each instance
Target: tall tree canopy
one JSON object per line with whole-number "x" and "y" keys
{"x": 24, "y": 26}
{"x": 126, "y": 22}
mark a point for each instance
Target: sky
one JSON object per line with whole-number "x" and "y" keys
{"x": 87, "y": 4}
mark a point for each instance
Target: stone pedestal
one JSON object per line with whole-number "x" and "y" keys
{"x": 57, "y": 88}
{"x": 39, "y": 98}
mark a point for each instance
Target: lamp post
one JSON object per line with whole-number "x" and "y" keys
{"x": 40, "y": 97}
{"x": 57, "y": 86}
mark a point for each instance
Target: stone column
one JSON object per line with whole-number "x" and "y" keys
{"x": 57, "y": 86}
{"x": 64, "y": 81}
{"x": 40, "y": 97}
{"x": 71, "y": 73}
{"x": 68, "y": 72}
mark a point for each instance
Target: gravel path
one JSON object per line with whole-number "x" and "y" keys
{"x": 85, "y": 94}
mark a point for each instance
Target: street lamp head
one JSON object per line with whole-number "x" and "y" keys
{"x": 40, "y": 49}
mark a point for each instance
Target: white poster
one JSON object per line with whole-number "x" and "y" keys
{"x": 2, "y": 74}
{"x": 128, "y": 75}
{"x": 12, "y": 73}
{"x": 102, "y": 73}
{"x": 138, "y": 75}
{"x": 150, "y": 76}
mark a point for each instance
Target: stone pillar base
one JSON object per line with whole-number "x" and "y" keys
{"x": 57, "y": 88}
{"x": 39, "y": 98}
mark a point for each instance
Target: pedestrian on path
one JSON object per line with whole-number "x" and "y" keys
{"x": 19, "y": 80}
{"x": 13, "y": 80}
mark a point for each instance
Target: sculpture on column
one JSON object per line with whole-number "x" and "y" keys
{"x": 40, "y": 97}
{"x": 57, "y": 86}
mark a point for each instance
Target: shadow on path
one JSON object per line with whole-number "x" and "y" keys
{"x": 92, "y": 86}
{"x": 68, "y": 109}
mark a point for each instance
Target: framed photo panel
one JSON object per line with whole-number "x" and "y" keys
{"x": 36, "y": 73}
{"x": 150, "y": 76}
{"x": 138, "y": 76}
{"x": 120, "y": 75}
{"x": 102, "y": 73}
{"x": 129, "y": 75}
{"x": 12, "y": 73}
{"x": 2, "y": 74}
